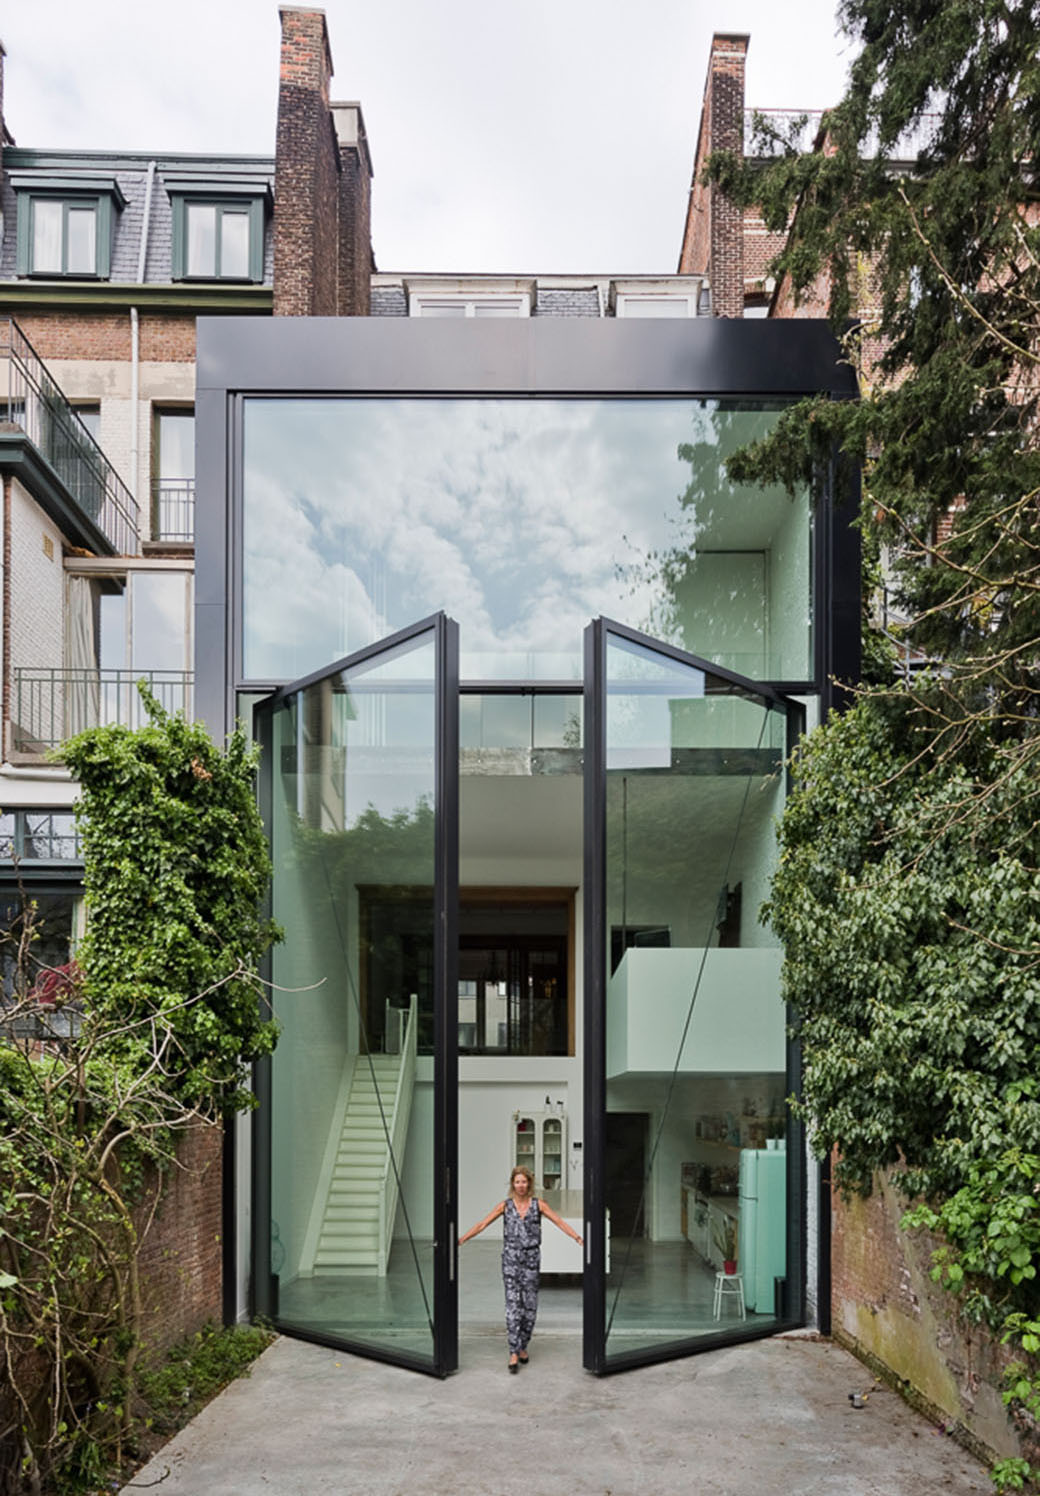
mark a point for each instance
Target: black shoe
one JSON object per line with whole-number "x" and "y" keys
{"x": 523, "y": 1359}
{"x": 514, "y": 1367}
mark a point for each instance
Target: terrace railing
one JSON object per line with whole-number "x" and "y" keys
{"x": 50, "y": 705}
{"x": 33, "y": 402}
{"x": 808, "y": 122}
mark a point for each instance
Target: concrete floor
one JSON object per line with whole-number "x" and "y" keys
{"x": 770, "y": 1417}
{"x": 656, "y": 1292}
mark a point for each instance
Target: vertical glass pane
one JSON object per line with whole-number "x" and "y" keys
{"x": 530, "y": 515}
{"x": 234, "y": 243}
{"x": 176, "y": 435}
{"x": 352, "y": 1161}
{"x": 90, "y": 417}
{"x": 46, "y": 234}
{"x": 695, "y": 1025}
{"x": 160, "y": 622}
{"x": 81, "y": 250}
{"x": 51, "y": 918}
{"x": 202, "y": 238}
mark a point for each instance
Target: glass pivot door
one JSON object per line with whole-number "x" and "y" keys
{"x": 356, "y": 1141}
{"x": 692, "y": 1196}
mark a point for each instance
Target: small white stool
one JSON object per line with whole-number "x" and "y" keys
{"x": 729, "y": 1285}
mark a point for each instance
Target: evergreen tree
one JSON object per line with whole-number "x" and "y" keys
{"x": 940, "y": 264}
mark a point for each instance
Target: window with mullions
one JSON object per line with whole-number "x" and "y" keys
{"x": 66, "y": 229}
{"x": 218, "y": 239}
{"x": 513, "y": 996}
{"x": 38, "y": 836}
{"x": 173, "y": 475}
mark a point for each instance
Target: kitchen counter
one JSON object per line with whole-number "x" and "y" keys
{"x": 559, "y": 1253}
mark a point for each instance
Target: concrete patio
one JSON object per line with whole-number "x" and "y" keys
{"x": 773, "y": 1416}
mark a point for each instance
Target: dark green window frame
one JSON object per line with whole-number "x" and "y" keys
{"x": 250, "y": 203}
{"x": 97, "y": 196}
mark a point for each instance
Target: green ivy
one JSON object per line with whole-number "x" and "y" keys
{"x": 171, "y": 1011}
{"x": 176, "y": 866}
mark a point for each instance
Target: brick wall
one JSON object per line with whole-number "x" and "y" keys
{"x": 886, "y": 1309}
{"x": 355, "y": 218}
{"x": 306, "y": 230}
{"x": 713, "y": 239}
{"x": 727, "y": 134}
{"x": 181, "y": 1255}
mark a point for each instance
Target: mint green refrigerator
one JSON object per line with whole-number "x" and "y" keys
{"x": 762, "y": 1243}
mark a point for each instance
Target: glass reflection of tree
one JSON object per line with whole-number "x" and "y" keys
{"x": 707, "y": 589}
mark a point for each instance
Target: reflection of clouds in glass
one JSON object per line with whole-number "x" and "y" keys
{"x": 520, "y": 518}
{"x": 158, "y": 620}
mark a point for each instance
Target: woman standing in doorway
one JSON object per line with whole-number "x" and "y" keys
{"x": 522, "y": 1213}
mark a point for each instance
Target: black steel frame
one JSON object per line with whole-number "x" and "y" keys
{"x": 595, "y": 1357}
{"x": 445, "y": 1010}
{"x": 573, "y": 357}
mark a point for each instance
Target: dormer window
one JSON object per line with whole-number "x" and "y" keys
{"x": 65, "y": 224}
{"x": 217, "y": 236}
{"x": 470, "y": 306}
{"x": 218, "y": 229}
{"x": 661, "y": 296}
{"x": 469, "y": 296}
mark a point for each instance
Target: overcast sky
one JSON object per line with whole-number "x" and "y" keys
{"x": 553, "y": 135}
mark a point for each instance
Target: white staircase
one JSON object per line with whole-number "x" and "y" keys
{"x": 353, "y": 1220}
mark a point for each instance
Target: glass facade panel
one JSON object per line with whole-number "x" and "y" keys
{"x": 160, "y": 622}
{"x": 351, "y": 823}
{"x": 529, "y": 720}
{"x": 695, "y": 1027}
{"x": 526, "y": 518}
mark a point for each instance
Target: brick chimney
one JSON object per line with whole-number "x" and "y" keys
{"x": 355, "y": 211}
{"x": 713, "y": 239}
{"x": 322, "y": 220}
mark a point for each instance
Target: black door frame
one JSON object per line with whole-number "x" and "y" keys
{"x": 264, "y": 1300}
{"x": 596, "y": 974}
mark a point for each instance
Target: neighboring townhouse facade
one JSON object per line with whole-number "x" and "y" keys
{"x": 601, "y": 711}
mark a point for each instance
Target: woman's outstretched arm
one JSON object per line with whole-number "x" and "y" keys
{"x": 482, "y": 1225}
{"x": 547, "y": 1210}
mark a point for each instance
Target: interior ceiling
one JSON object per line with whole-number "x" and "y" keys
{"x": 540, "y": 815}
{"x": 536, "y": 815}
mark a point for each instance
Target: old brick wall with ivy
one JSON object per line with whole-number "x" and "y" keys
{"x": 886, "y": 1309}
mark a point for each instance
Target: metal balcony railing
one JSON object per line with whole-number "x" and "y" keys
{"x": 173, "y": 509}
{"x": 50, "y": 705}
{"x": 30, "y": 400}
{"x": 907, "y": 148}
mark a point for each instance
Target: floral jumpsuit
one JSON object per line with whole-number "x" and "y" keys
{"x": 521, "y": 1263}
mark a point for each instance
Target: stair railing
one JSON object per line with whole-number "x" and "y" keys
{"x": 397, "y": 1019}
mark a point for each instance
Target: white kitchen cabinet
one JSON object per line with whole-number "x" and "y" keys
{"x": 539, "y": 1141}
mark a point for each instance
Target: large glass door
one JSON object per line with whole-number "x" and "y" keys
{"x": 693, "y": 1183}
{"x": 355, "y": 1166}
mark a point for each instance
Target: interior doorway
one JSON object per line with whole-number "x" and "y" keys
{"x": 626, "y": 1143}
{"x": 520, "y": 1053}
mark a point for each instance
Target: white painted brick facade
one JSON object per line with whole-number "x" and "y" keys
{"x": 37, "y": 585}
{"x": 37, "y": 597}
{"x": 108, "y": 382}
